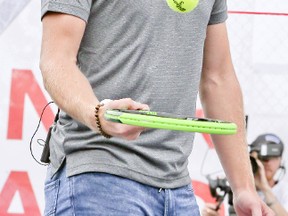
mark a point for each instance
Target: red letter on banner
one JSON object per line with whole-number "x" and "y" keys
{"x": 24, "y": 83}
{"x": 18, "y": 181}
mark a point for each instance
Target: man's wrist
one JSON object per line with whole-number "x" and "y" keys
{"x": 97, "y": 118}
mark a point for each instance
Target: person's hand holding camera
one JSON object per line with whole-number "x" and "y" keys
{"x": 261, "y": 181}
{"x": 210, "y": 210}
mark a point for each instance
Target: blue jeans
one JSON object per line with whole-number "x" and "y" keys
{"x": 109, "y": 195}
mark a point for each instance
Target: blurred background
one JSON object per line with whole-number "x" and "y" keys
{"x": 258, "y": 34}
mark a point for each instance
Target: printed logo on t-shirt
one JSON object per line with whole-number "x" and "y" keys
{"x": 182, "y": 6}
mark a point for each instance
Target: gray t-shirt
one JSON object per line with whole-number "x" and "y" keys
{"x": 144, "y": 50}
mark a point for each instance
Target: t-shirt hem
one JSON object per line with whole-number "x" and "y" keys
{"x": 130, "y": 174}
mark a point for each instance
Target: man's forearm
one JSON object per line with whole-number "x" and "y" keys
{"x": 221, "y": 98}
{"x": 70, "y": 90}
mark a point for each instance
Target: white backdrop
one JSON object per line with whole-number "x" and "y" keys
{"x": 260, "y": 60}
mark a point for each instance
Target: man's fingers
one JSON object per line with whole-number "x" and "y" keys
{"x": 127, "y": 103}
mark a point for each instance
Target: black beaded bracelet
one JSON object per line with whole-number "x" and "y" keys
{"x": 98, "y": 121}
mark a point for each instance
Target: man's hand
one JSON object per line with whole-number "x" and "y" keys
{"x": 248, "y": 203}
{"x": 127, "y": 132}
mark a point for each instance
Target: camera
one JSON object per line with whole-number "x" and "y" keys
{"x": 219, "y": 188}
{"x": 254, "y": 165}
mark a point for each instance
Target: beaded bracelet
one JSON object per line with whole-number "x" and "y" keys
{"x": 98, "y": 121}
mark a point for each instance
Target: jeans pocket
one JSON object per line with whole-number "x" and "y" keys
{"x": 190, "y": 188}
{"x": 51, "y": 195}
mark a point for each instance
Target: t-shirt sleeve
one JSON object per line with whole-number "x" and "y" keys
{"x": 219, "y": 12}
{"x": 79, "y": 8}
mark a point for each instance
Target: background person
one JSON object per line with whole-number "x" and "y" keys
{"x": 268, "y": 149}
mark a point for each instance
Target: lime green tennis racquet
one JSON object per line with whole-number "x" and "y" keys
{"x": 167, "y": 121}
